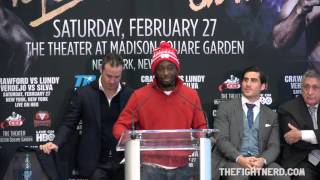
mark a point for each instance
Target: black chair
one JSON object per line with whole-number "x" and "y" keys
{"x": 43, "y": 166}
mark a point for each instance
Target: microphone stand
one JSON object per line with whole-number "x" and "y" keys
{"x": 137, "y": 108}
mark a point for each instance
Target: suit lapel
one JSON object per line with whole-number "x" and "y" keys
{"x": 95, "y": 104}
{"x": 263, "y": 121}
{"x": 122, "y": 97}
{"x": 306, "y": 117}
{"x": 318, "y": 117}
{"x": 239, "y": 118}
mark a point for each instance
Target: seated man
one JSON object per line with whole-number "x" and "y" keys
{"x": 299, "y": 120}
{"x": 249, "y": 134}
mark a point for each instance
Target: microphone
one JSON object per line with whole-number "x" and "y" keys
{"x": 137, "y": 108}
{"x": 195, "y": 106}
{"x": 209, "y": 133}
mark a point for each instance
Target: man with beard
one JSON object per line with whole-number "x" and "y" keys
{"x": 165, "y": 103}
{"x": 297, "y": 17}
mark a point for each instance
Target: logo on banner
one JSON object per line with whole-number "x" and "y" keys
{"x": 204, "y": 3}
{"x": 14, "y": 120}
{"x": 44, "y": 135}
{"x": 79, "y": 127}
{"x": 266, "y": 99}
{"x": 42, "y": 118}
{"x": 294, "y": 82}
{"x": 83, "y": 80}
{"x": 197, "y": 5}
{"x": 232, "y": 83}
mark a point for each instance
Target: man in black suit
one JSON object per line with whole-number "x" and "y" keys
{"x": 98, "y": 105}
{"x": 299, "y": 121}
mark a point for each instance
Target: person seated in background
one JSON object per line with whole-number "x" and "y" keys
{"x": 165, "y": 103}
{"x": 299, "y": 126}
{"x": 248, "y": 136}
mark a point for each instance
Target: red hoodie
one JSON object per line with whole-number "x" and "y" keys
{"x": 152, "y": 109}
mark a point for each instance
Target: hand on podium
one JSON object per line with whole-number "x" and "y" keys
{"x": 48, "y": 147}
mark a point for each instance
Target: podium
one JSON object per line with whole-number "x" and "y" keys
{"x": 187, "y": 149}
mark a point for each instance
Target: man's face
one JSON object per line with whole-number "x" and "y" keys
{"x": 251, "y": 86}
{"x": 166, "y": 74}
{"x": 311, "y": 91}
{"x": 110, "y": 77}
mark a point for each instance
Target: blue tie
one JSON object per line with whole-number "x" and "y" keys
{"x": 250, "y": 114}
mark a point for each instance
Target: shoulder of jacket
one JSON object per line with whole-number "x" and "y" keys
{"x": 268, "y": 110}
{"x": 293, "y": 103}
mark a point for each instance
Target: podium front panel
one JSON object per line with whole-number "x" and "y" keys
{"x": 171, "y": 154}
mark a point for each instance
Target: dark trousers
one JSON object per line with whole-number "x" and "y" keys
{"x": 311, "y": 172}
{"x": 108, "y": 171}
{"x": 156, "y": 173}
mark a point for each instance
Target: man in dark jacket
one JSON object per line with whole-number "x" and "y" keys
{"x": 98, "y": 106}
{"x": 299, "y": 122}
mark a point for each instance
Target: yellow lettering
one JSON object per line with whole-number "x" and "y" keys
{"x": 46, "y": 16}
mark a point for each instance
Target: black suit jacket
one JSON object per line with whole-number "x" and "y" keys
{"x": 296, "y": 112}
{"x": 85, "y": 106}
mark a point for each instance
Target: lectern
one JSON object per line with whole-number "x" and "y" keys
{"x": 187, "y": 148}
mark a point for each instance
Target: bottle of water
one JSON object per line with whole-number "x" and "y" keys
{"x": 26, "y": 168}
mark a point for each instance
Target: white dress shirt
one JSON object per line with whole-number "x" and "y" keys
{"x": 308, "y": 135}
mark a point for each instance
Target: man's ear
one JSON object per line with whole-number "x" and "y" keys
{"x": 100, "y": 69}
{"x": 264, "y": 87}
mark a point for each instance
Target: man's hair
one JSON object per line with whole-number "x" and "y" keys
{"x": 310, "y": 74}
{"x": 113, "y": 59}
{"x": 263, "y": 77}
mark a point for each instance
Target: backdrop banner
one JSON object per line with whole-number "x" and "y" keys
{"x": 49, "y": 48}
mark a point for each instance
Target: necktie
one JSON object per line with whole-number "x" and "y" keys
{"x": 314, "y": 155}
{"x": 250, "y": 114}
{"x": 312, "y": 111}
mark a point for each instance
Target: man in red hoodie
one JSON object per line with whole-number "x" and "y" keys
{"x": 165, "y": 103}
